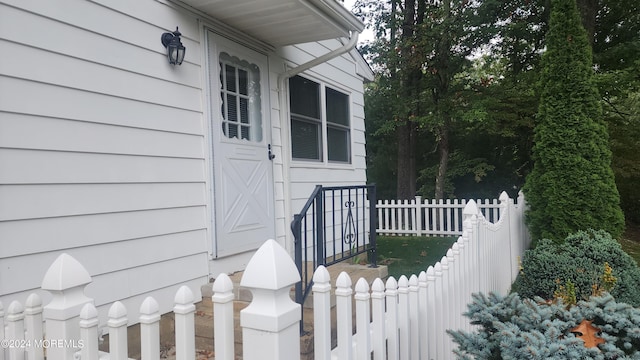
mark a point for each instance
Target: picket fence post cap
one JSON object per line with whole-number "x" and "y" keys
{"x": 149, "y": 306}
{"x": 117, "y": 315}
{"x": 321, "y": 275}
{"x": 14, "y": 311}
{"x": 392, "y": 283}
{"x": 503, "y": 196}
{"x": 117, "y": 310}
{"x": 270, "y": 268}
{"x": 65, "y": 273}
{"x": 470, "y": 208}
{"x": 344, "y": 280}
{"x": 449, "y": 254}
{"x": 222, "y": 284}
{"x": 33, "y": 301}
{"x": 403, "y": 282}
{"x": 431, "y": 272}
{"x": 88, "y": 312}
{"x": 422, "y": 277}
{"x": 362, "y": 286}
{"x": 377, "y": 286}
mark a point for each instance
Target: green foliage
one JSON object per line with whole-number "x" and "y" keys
{"x": 459, "y": 166}
{"x": 494, "y": 98}
{"x": 572, "y": 186}
{"x": 513, "y": 328}
{"x": 581, "y": 260}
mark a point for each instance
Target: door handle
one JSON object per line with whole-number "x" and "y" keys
{"x": 271, "y": 155}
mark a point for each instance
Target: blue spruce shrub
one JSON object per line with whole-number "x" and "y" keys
{"x": 515, "y": 328}
{"x": 580, "y": 260}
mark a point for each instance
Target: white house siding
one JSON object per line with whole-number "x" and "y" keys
{"x": 102, "y": 149}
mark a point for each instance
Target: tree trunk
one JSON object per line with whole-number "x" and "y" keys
{"x": 443, "y": 154}
{"x": 588, "y": 12}
{"x": 406, "y": 184}
{"x": 406, "y": 132}
{"x": 441, "y": 93}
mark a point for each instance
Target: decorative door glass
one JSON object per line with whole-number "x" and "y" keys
{"x": 240, "y": 95}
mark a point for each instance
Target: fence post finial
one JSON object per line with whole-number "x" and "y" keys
{"x": 270, "y": 324}
{"x": 65, "y": 279}
{"x": 470, "y": 209}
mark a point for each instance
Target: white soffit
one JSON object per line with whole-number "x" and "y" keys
{"x": 283, "y": 22}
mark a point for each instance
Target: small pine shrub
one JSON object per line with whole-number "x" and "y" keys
{"x": 515, "y": 328}
{"x": 592, "y": 261}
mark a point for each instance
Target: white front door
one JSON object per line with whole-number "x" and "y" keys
{"x": 240, "y": 133}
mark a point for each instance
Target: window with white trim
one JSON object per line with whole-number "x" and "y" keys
{"x": 320, "y": 120}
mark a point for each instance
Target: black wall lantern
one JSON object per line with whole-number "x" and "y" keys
{"x": 175, "y": 49}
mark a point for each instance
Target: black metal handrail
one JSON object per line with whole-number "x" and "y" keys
{"x": 332, "y": 227}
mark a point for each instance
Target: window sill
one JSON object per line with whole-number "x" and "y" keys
{"x": 314, "y": 164}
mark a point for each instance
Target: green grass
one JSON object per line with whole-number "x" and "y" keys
{"x": 406, "y": 255}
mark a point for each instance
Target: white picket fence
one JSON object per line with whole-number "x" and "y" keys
{"x": 400, "y": 319}
{"x": 425, "y": 217}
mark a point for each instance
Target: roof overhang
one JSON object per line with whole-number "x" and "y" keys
{"x": 283, "y": 22}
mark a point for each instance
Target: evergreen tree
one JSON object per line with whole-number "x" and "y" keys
{"x": 572, "y": 185}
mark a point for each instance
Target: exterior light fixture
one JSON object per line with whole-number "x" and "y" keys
{"x": 175, "y": 49}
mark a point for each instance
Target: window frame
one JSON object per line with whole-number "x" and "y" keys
{"x": 324, "y": 125}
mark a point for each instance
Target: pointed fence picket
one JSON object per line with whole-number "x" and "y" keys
{"x": 424, "y": 217}
{"x": 403, "y": 319}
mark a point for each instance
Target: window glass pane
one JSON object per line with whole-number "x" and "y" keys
{"x": 337, "y": 107}
{"x": 231, "y": 78}
{"x": 304, "y": 97}
{"x": 305, "y": 140}
{"x": 233, "y": 131}
{"x": 245, "y": 132}
{"x": 337, "y": 144}
{"x": 232, "y": 108}
{"x": 243, "y": 82}
{"x": 244, "y": 110}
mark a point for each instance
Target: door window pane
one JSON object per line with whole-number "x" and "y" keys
{"x": 241, "y": 99}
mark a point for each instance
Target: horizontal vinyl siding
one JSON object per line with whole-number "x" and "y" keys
{"x": 101, "y": 150}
